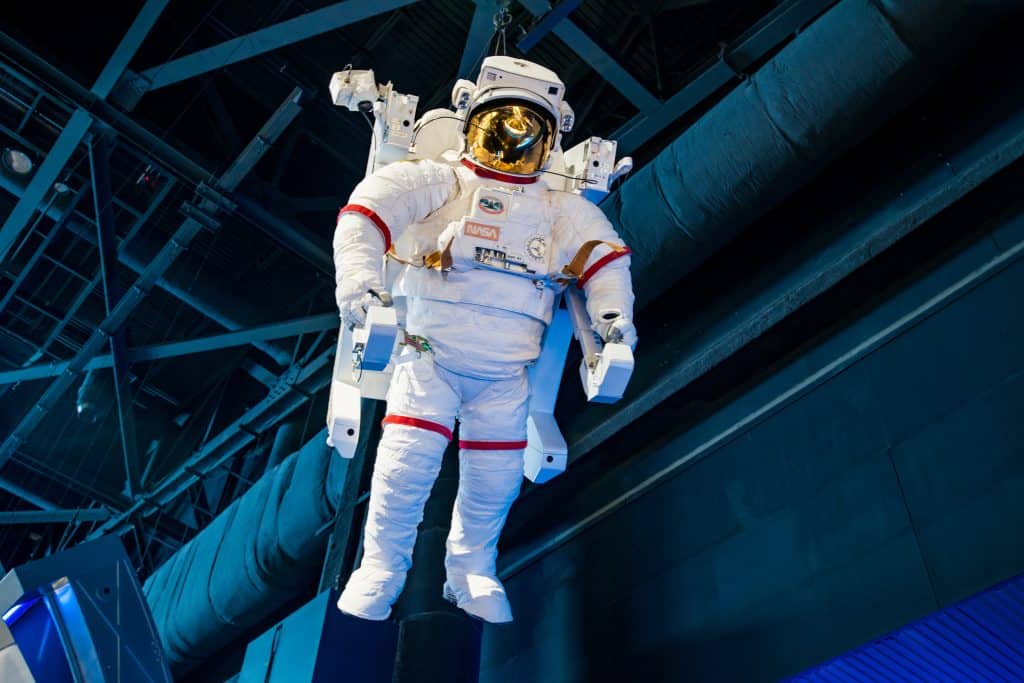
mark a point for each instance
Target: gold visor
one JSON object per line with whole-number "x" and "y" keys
{"x": 511, "y": 138}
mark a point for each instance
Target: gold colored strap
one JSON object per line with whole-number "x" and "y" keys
{"x": 440, "y": 260}
{"x": 575, "y": 268}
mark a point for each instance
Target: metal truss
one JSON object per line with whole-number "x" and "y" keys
{"x": 265, "y": 40}
{"x": 77, "y": 127}
{"x": 54, "y": 516}
{"x": 215, "y": 342}
{"x": 294, "y": 388}
{"x": 192, "y": 225}
{"x": 595, "y": 56}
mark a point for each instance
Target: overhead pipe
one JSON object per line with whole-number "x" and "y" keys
{"x": 833, "y": 85}
{"x": 251, "y": 560}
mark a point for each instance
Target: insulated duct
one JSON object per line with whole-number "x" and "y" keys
{"x": 833, "y": 85}
{"x": 255, "y": 557}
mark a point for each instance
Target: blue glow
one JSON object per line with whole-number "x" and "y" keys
{"x": 13, "y": 614}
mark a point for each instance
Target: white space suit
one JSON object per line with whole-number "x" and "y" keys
{"x": 498, "y": 239}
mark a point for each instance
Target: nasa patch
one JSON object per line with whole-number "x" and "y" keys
{"x": 491, "y": 205}
{"x": 487, "y": 232}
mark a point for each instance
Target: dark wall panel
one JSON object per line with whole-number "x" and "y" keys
{"x": 889, "y": 490}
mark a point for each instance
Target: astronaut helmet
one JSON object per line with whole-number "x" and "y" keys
{"x": 513, "y": 116}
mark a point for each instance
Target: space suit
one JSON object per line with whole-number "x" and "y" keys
{"x": 488, "y": 249}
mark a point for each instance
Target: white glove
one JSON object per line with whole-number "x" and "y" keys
{"x": 618, "y": 329}
{"x": 353, "y": 299}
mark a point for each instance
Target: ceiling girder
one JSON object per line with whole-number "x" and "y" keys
{"x": 77, "y": 127}
{"x": 278, "y": 330}
{"x": 266, "y": 40}
{"x": 54, "y": 516}
{"x": 595, "y": 56}
{"x": 185, "y": 233}
{"x": 99, "y": 166}
{"x": 481, "y": 31}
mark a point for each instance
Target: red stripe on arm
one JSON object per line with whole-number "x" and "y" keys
{"x": 492, "y": 445}
{"x": 418, "y": 423}
{"x": 599, "y": 264}
{"x": 377, "y": 220}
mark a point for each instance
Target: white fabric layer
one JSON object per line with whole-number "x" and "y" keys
{"x": 399, "y": 194}
{"x": 408, "y": 461}
{"x": 485, "y": 328}
{"x": 473, "y": 318}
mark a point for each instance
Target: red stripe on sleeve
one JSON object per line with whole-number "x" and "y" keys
{"x": 377, "y": 220}
{"x": 417, "y": 422}
{"x": 599, "y": 264}
{"x": 492, "y": 445}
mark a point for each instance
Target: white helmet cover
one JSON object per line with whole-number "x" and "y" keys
{"x": 507, "y": 79}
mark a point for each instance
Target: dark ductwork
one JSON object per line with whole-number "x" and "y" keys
{"x": 255, "y": 557}
{"x": 834, "y": 84}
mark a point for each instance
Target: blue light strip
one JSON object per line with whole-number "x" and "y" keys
{"x": 13, "y": 614}
{"x": 980, "y": 639}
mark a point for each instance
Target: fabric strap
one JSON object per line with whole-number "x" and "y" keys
{"x": 575, "y": 268}
{"x": 418, "y": 423}
{"x": 492, "y": 445}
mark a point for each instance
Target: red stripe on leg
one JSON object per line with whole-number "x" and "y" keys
{"x": 492, "y": 445}
{"x": 419, "y": 424}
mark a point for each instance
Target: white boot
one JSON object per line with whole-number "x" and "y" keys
{"x": 370, "y": 593}
{"x": 480, "y": 596}
{"x": 489, "y": 482}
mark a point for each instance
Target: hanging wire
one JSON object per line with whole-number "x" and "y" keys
{"x": 502, "y": 19}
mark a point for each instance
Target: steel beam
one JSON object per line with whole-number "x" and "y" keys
{"x": 288, "y": 236}
{"x": 133, "y": 297}
{"x": 54, "y": 516}
{"x": 267, "y": 39}
{"x": 128, "y": 46}
{"x": 481, "y": 31}
{"x": 26, "y": 495}
{"x": 75, "y": 130}
{"x": 546, "y": 24}
{"x": 88, "y": 287}
{"x": 39, "y": 72}
{"x": 215, "y": 342}
{"x": 38, "y": 254}
{"x": 43, "y": 180}
{"x": 768, "y": 34}
{"x": 225, "y": 311}
{"x": 599, "y": 60}
{"x": 99, "y": 167}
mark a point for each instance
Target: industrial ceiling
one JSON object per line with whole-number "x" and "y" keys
{"x": 165, "y": 277}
